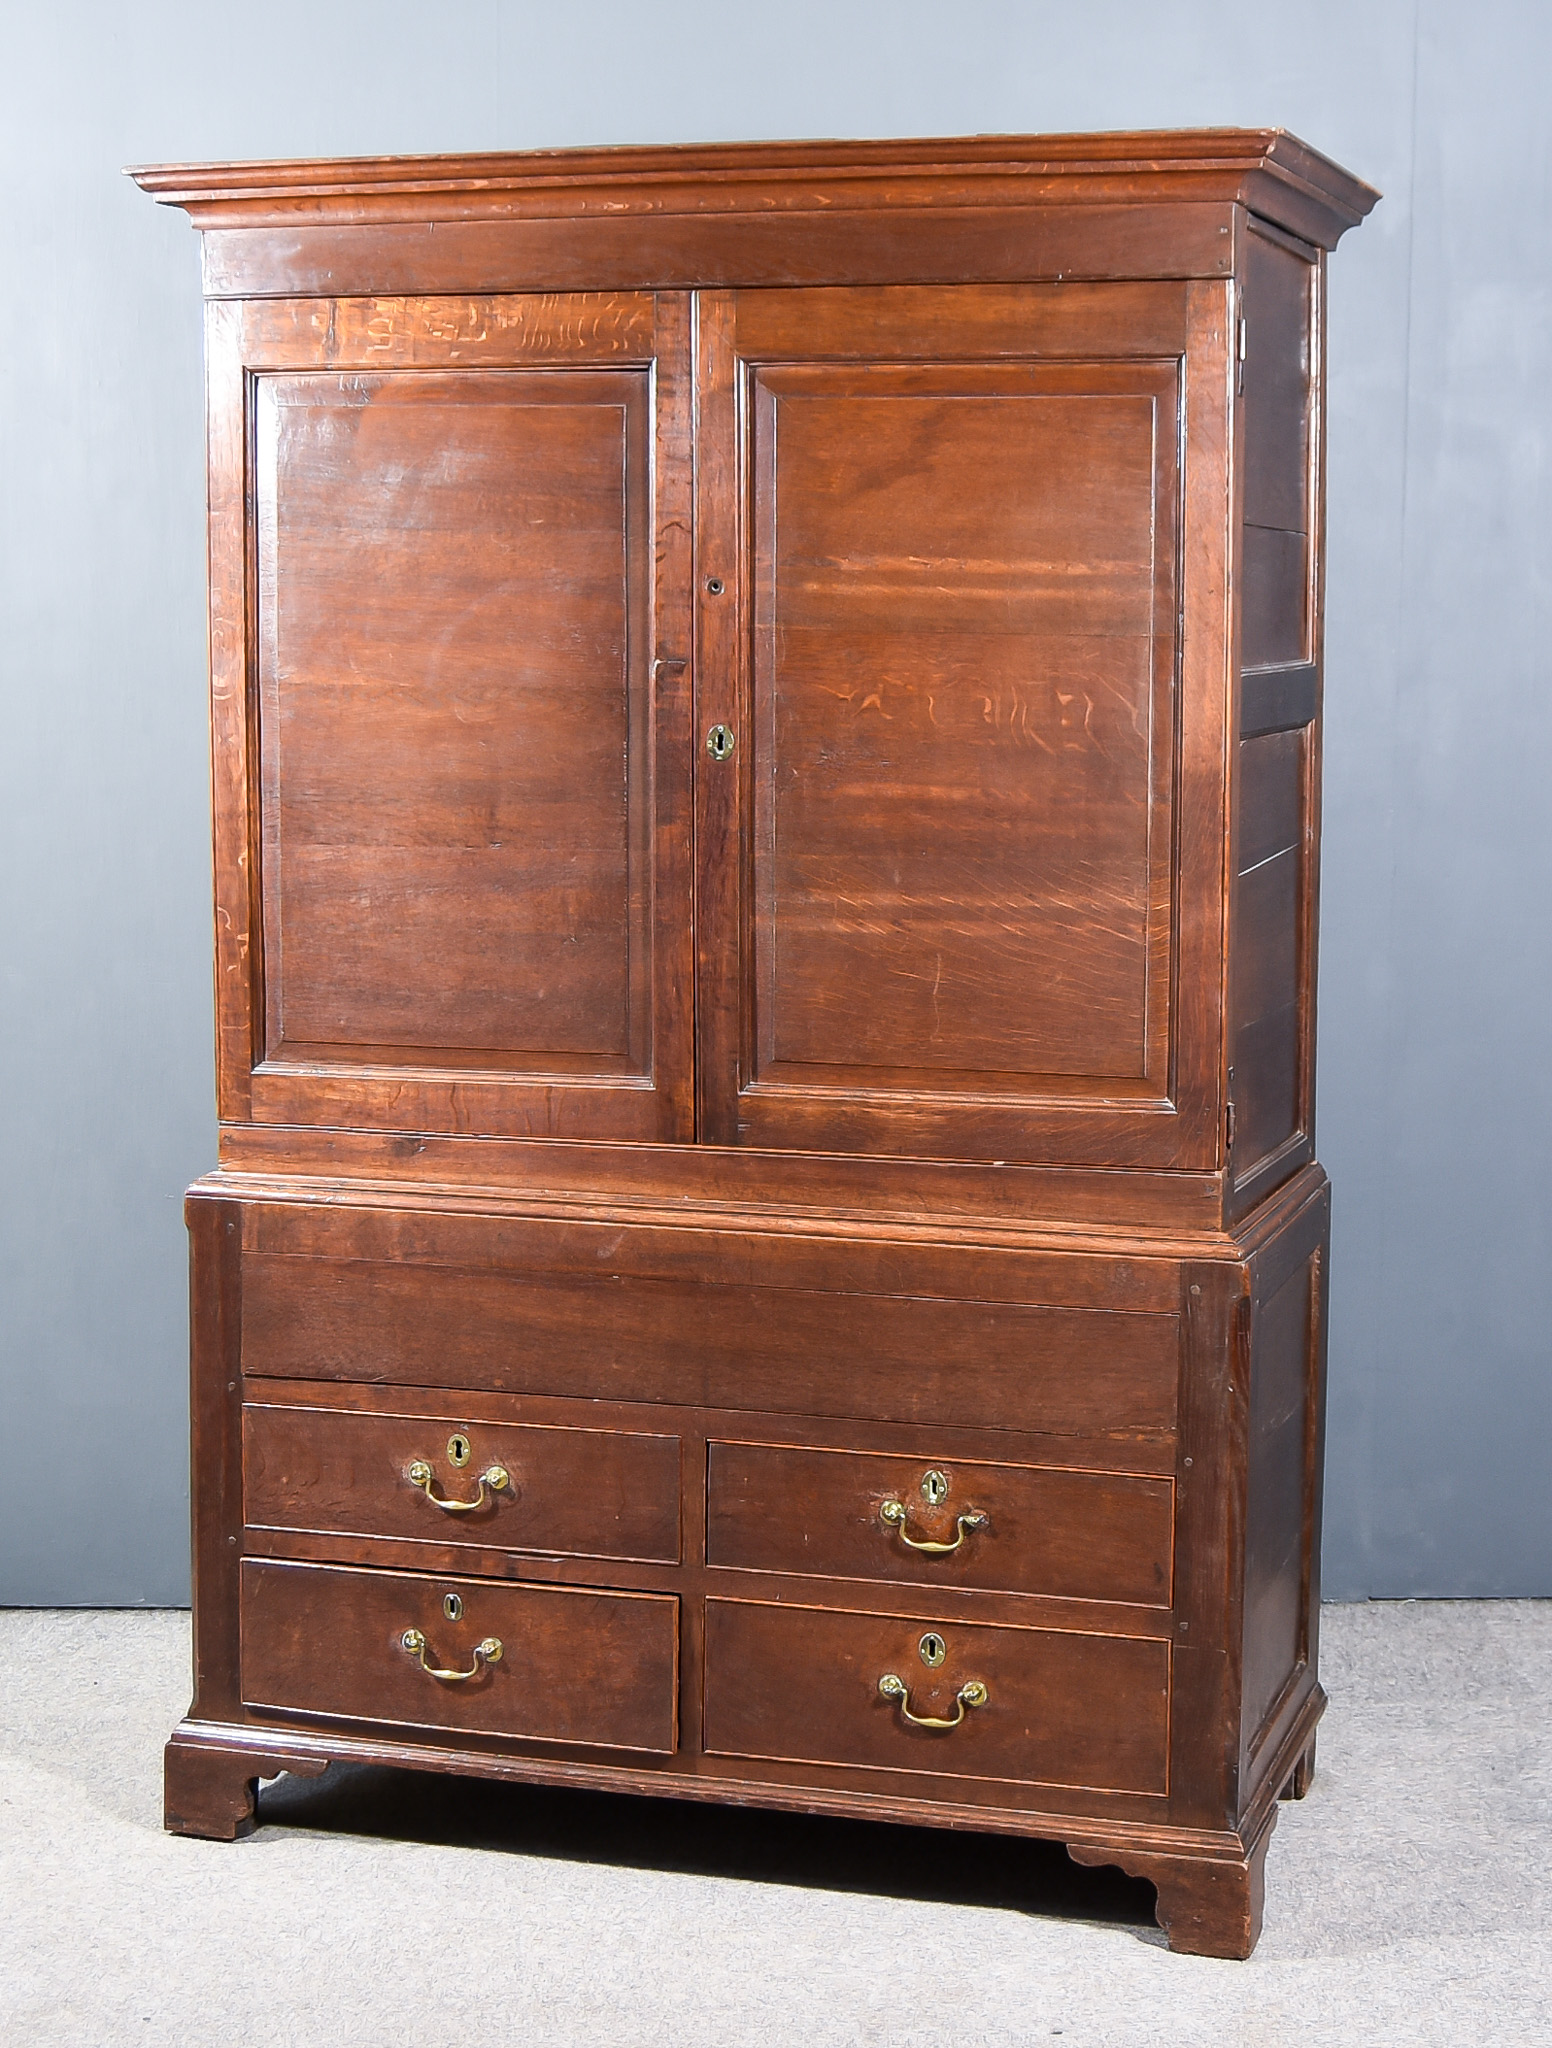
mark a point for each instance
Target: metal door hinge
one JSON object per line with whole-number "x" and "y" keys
{"x": 1228, "y": 1125}
{"x": 1242, "y": 350}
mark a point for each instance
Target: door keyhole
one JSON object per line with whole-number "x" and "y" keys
{"x": 720, "y": 742}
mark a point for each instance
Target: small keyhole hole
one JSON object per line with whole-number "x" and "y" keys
{"x": 458, "y": 1450}
{"x": 452, "y": 1607}
{"x": 714, "y": 585}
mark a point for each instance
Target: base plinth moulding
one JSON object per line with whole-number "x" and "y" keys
{"x": 213, "y": 1792}
{"x": 1208, "y": 1905}
{"x": 1209, "y": 1897}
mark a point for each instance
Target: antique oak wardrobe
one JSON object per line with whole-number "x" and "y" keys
{"x": 767, "y": 1243}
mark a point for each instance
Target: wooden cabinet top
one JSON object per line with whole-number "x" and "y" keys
{"x": 1148, "y": 204}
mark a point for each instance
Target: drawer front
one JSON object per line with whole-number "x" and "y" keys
{"x": 901, "y": 1357}
{"x": 1013, "y": 1528}
{"x": 556, "y": 1492}
{"x": 576, "y": 1666}
{"x": 802, "y": 1684}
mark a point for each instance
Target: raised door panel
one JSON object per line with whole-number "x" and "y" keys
{"x": 960, "y": 583}
{"x": 961, "y": 852}
{"x": 450, "y": 572}
{"x": 466, "y": 718}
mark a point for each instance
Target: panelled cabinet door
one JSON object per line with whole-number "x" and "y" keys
{"x": 948, "y": 904}
{"x": 450, "y": 568}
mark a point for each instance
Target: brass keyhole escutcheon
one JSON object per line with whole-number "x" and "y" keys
{"x": 452, "y": 1607}
{"x": 935, "y": 1489}
{"x": 933, "y": 1650}
{"x": 720, "y": 742}
{"x": 459, "y": 1451}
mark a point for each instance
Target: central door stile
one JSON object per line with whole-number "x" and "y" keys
{"x": 721, "y": 752}
{"x": 668, "y": 770}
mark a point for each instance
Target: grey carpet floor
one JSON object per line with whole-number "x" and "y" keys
{"x": 1409, "y": 1898}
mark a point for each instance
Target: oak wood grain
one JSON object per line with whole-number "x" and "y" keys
{"x": 719, "y": 1244}
{"x": 453, "y": 588}
{"x": 955, "y": 798}
{"x": 1063, "y": 1372}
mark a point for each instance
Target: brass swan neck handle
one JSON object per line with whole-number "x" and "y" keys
{"x": 420, "y": 1474}
{"x": 971, "y": 1694}
{"x": 488, "y": 1652}
{"x": 893, "y": 1514}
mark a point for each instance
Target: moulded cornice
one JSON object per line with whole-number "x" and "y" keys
{"x": 1266, "y": 169}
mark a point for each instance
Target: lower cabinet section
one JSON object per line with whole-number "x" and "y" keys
{"x": 549, "y": 1663}
{"x": 968, "y": 1699}
{"x": 1041, "y": 1560}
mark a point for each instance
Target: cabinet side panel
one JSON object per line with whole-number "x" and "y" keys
{"x": 1278, "y": 1494}
{"x": 215, "y": 1404}
{"x": 1266, "y": 1014}
{"x": 1276, "y": 608}
{"x": 1272, "y": 980}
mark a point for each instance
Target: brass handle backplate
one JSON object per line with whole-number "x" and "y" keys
{"x": 420, "y": 1474}
{"x": 893, "y": 1513}
{"x": 488, "y": 1652}
{"x": 971, "y": 1694}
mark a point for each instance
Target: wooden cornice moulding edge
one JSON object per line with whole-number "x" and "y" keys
{"x": 1254, "y": 166}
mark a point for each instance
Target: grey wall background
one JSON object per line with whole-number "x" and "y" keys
{"x": 1437, "y": 962}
